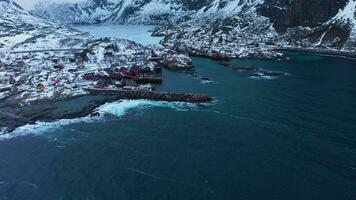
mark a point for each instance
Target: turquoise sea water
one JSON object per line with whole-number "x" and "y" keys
{"x": 288, "y": 138}
{"x": 135, "y": 33}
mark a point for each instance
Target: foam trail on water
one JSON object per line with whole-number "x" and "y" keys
{"x": 262, "y": 77}
{"x": 40, "y": 128}
{"x": 121, "y": 107}
{"x": 118, "y": 109}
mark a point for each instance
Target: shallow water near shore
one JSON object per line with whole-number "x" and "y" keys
{"x": 293, "y": 137}
{"x": 139, "y": 34}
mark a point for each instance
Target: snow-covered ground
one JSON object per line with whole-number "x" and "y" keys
{"x": 44, "y": 60}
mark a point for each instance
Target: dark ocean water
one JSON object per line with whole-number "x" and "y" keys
{"x": 289, "y": 138}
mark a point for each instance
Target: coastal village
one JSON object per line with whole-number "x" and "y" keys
{"x": 105, "y": 64}
{"x": 41, "y": 61}
{"x": 116, "y": 69}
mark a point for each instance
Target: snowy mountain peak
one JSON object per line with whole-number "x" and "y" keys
{"x": 292, "y": 22}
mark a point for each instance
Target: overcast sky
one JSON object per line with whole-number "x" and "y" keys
{"x": 28, "y": 4}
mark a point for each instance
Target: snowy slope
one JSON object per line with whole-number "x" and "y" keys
{"x": 347, "y": 17}
{"x": 117, "y": 11}
{"x": 20, "y": 30}
{"x": 233, "y": 29}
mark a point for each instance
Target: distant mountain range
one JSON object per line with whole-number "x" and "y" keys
{"x": 282, "y": 13}
{"x": 322, "y": 23}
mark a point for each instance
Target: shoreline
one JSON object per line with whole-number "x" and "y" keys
{"x": 322, "y": 52}
{"x": 315, "y": 51}
{"x": 49, "y": 110}
{"x": 151, "y": 95}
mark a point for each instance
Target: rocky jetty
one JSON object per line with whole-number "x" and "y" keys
{"x": 152, "y": 95}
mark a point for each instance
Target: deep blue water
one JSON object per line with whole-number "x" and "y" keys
{"x": 289, "y": 138}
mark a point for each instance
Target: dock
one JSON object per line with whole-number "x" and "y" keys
{"x": 151, "y": 95}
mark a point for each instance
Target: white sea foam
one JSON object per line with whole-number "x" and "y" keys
{"x": 206, "y": 82}
{"x": 262, "y": 77}
{"x": 40, "y": 128}
{"x": 121, "y": 107}
{"x": 117, "y": 109}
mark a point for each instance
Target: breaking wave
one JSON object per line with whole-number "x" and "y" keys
{"x": 262, "y": 77}
{"x": 118, "y": 109}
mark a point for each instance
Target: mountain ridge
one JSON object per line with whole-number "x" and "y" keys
{"x": 274, "y": 22}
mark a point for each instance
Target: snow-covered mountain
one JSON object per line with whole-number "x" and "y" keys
{"x": 282, "y": 13}
{"x": 211, "y": 24}
{"x": 246, "y": 28}
{"x": 20, "y": 30}
{"x": 114, "y": 11}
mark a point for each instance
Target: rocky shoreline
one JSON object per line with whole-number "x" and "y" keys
{"x": 44, "y": 65}
{"x": 49, "y": 110}
{"x": 318, "y": 51}
{"x": 36, "y": 73}
{"x": 152, "y": 95}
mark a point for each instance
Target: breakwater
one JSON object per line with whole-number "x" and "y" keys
{"x": 152, "y": 95}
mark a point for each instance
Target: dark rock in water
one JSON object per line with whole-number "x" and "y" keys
{"x": 13, "y": 116}
{"x": 191, "y": 72}
{"x": 225, "y": 64}
{"x": 218, "y": 56}
{"x": 95, "y": 114}
{"x": 273, "y": 73}
{"x": 268, "y": 74}
{"x": 205, "y": 78}
{"x": 245, "y": 68}
{"x": 257, "y": 75}
{"x": 12, "y": 120}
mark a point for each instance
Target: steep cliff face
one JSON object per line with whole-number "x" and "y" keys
{"x": 308, "y": 13}
{"x": 245, "y": 30}
{"x": 337, "y": 32}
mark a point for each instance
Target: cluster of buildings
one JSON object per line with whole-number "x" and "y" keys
{"x": 103, "y": 64}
